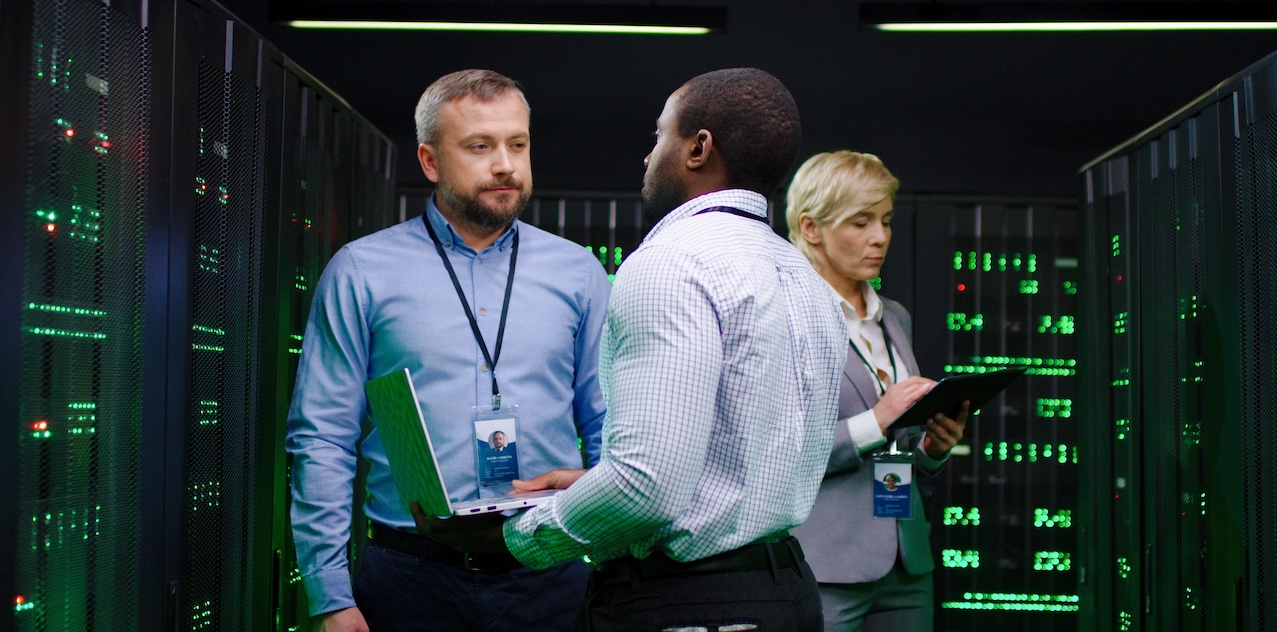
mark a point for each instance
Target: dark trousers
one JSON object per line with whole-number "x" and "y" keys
{"x": 767, "y": 600}
{"x": 398, "y": 592}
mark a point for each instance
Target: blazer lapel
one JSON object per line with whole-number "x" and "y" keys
{"x": 864, "y": 393}
{"x": 900, "y": 340}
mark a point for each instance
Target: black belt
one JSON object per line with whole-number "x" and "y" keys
{"x": 427, "y": 549}
{"x": 751, "y": 557}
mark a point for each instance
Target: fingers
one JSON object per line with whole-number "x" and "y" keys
{"x": 531, "y": 485}
{"x": 560, "y": 478}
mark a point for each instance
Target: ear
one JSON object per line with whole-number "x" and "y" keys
{"x": 429, "y": 160}
{"x": 810, "y": 230}
{"x": 701, "y": 148}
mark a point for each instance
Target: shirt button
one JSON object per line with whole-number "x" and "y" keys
{"x": 478, "y": 260}
{"x": 483, "y": 311}
{"x": 484, "y": 367}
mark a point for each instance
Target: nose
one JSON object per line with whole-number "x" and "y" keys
{"x": 647, "y": 160}
{"x": 502, "y": 162}
{"x": 878, "y": 234}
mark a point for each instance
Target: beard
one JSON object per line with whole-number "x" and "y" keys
{"x": 467, "y": 206}
{"x": 662, "y": 192}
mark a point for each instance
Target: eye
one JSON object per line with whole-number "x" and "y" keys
{"x": 479, "y": 147}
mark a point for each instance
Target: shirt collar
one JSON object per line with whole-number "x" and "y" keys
{"x": 749, "y": 201}
{"x": 873, "y": 304}
{"x": 449, "y": 237}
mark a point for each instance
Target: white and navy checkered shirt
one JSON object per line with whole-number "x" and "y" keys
{"x": 721, "y": 361}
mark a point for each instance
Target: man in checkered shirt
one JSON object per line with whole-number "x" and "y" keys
{"x": 721, "y": 359}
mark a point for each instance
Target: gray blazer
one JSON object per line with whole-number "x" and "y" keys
{"x": 842, "y": 540}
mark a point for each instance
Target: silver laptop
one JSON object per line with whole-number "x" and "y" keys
{"x": 413, "y": 464}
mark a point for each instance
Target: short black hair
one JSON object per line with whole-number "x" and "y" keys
{"x": 754, "y": 122}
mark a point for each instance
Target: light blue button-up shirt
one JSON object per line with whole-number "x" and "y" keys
{"x": 385, "y": 302}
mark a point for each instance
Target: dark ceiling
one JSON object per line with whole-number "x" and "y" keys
{"x": 1002, "y": 114}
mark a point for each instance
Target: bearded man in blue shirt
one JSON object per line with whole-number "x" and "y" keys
{"x": 459, "y": 295}
{"x": 720, "y": 365}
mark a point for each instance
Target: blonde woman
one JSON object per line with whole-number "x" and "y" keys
{"x": 872, "y": 562}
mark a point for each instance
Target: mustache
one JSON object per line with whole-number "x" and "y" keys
{"x": 510, "y": 182}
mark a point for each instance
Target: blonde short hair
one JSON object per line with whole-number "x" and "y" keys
{"x": 832, "y": 187}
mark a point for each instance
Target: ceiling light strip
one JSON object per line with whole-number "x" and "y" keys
{"x": 502, "y": 27}
{"x": 1007, "y": 27}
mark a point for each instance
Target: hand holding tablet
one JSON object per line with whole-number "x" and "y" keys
{"x": 949, "y": 393}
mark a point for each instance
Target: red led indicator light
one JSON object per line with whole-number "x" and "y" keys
{"x": 69, "y": 132}
{"x": 1119, "y": 277}
{"x": 40, "y": 425}
{"x": 962, "y": 287}
{"x": 50, "y": 227}
{"x": 19, "y": 600}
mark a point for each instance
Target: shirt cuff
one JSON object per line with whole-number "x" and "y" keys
{"x": 928, "y": 464}
{"x": 864, "y": 431}
{"x": 328, "y": 591}
{"x": 526, "y": 536}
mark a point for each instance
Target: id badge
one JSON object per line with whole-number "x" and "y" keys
{"x": 893, "y": 486}
{"x": 496, "y": 443}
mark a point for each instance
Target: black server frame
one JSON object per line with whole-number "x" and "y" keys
{"x": 1180, "y": 240}
{"x": 183, "y": 126}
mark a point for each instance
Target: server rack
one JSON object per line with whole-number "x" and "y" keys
{"x": 1180, "y": 238}
{"x": 177, "y": 184}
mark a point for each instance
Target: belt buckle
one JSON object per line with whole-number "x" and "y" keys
{"x": 471, "y": 563}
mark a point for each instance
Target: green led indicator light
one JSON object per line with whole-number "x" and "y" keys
{"x": 1070, "y": 288}
{"x": 1117, "y": 245}
{"x": 1051, "y": 561}
{"x": 1028, "y": 286}
{"x": 1017, "y": 452}
{"x": 958, "y": 321}
{"x": 955, "y": 558}
{"x": 957, "y": 260}
{"x": 1054, "y": 407}
{"x": 1043, "y": 518}
{"x": 1062, "y": 325}
{"x": 63, "y": 309}
{"x": 64, "y": 333}
{"x": 961, "y": 516}
{"x": 1014, "y": 602}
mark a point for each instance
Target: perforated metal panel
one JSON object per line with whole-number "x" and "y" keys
{"x": 1257, "y": 265}
{"x": 79, "y": 421}
{"x": 226, "y": 294}
{"x": 1201, "y": 221}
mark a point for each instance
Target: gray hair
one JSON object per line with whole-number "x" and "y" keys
{"x": 484, "y": 85}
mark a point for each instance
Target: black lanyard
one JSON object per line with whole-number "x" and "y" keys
{"x": 474, "y": 324}
{"x": 886, "y": 339}
{"x": 733, "y": 211}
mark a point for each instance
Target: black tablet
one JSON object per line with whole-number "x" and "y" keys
{"x": 948, "y": 394}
